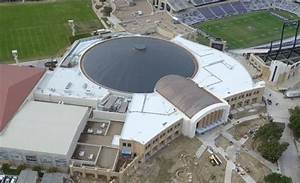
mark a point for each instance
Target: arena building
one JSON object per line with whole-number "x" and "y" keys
{"x": 114, "y": 101}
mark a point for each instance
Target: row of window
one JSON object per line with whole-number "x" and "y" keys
{"x": 246, "y": 102}
{"x": 33, "y": 159}
{"x": 164, "y": 134}
{"x": 243, "y": 96}
{"x": 126, "y": 144}
{"x": 162, "y": 143}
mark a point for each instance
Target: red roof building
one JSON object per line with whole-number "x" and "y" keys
{"x": 16, "y": 83}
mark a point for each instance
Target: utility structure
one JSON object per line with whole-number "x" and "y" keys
{"x": 15, "y": 56}
{"x": 72, "y": 26}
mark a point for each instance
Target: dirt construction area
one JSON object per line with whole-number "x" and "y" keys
{"x": 236, "y": 178}
{"x": 240, "y": 130}
{"x": 256, "y": 169}
{"x": 222, "y": 142}
{"x": 177, "y": 163}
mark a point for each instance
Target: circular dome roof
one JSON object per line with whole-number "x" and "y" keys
{"x": 135, "y": 64}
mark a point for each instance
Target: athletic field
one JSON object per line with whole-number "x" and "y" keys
{"x": 247, "y": 30}
{"x": 40, "y": 30}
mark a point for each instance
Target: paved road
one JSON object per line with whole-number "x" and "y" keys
{"x": 290, "y": 161}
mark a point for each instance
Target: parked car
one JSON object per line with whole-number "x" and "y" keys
{"x": 2, "y": 177}
{"x": 14, "y": 179}
{"x": 7, "y": 179}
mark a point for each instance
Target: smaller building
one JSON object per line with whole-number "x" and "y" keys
{"x": 43, "y": 134}
{"x": 28, "y": 176}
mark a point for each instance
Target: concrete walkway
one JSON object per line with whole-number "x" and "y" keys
{"x": 230, "y": 153}
{"x": 289, "y": 161}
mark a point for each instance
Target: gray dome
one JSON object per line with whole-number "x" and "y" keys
{"x": 135, "y": 64}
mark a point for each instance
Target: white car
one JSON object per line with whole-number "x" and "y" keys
{"x": 2, "y": 177}
{"x": 14, "y": 179}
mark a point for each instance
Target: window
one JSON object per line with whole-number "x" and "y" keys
{"x": 128, "y": 145}
{"x": 61, "y": 162}
{"x": 4, "y": 155}
{"x": 240, "y": 104}
{"x": 124, "y": 144}
{"x": 31, "y": 158}
{"x": 247, "y": 102}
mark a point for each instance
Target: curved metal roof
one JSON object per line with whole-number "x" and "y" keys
{"x": 185, "y": 94}
{"x": 135, "y": 64}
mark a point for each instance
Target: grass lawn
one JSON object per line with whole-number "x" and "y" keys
{"x": 202, "y": 40}
{"x": 247, "y": 30}
{"x": 40, "y": 30}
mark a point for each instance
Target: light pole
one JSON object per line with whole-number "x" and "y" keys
{"x": 15, "y": 56}
{"x": 72, "y": 25}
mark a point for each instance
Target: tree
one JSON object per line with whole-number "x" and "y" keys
{"x": 269, "y": 146}
{"x": 272, "y": 150}
{"x": 269, "y": 132}
{"x": 277, "y": 178}
{"x": 53, "y": 170}
{"x": 295, "y": 121}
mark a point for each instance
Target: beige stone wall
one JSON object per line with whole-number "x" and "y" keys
{"x": 97, "y": 172}
{"x": 210, "y": 118}
{"x": 245, "y": 98}
{"x": 163, "y": 138}
{"x": 258, "y": 64}
{"x": 155, "y": 144}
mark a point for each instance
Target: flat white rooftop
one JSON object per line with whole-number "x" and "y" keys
{"x": 43, "y": 127}
{"x": 217, "y": 72}
{"x": 147, "y": 116}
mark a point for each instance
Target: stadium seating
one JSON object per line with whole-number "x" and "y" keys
{"x": 284, "y": 44}
{"x": 220, "y": 10}
{"x": 203, "y": 2}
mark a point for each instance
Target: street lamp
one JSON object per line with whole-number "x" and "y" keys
{"x": 72, "y": 25}
{"x": 15, "y": 56}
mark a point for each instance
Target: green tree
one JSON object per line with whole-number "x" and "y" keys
{"x": 53, "y": 170}
{"x": 277, "y": 178}
{"x": 269, "y": 132}
{"x": 269, "y": 146}
{"x": 295, "y": 121}
{"x": 272, "y": 150}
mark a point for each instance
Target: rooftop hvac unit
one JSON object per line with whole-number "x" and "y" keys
{"x": 68, "y": 86}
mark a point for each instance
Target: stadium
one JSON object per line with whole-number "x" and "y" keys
{"x": 112, "y": 106}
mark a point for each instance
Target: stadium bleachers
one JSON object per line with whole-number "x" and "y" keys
{"x": 203, "y": 2}
{"x": 219, "y": 10}
{"x": 179, "y": 5}
{"x": 284, "y": 44}
{"x": 229, "y": 9}
{"x": 239, "y": 7}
